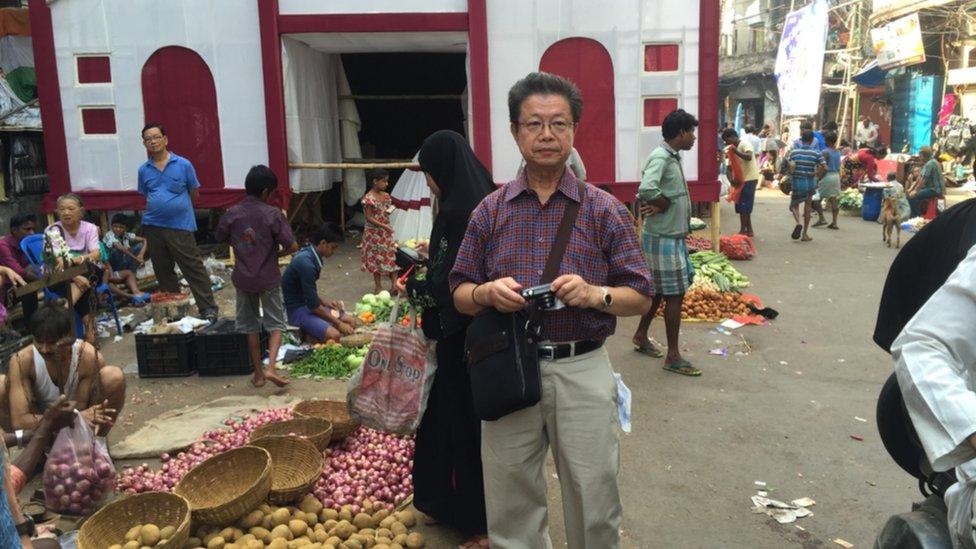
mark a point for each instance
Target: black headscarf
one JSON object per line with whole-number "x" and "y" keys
{"x": 463, "y": 182}
{"x": 922, "y": 267}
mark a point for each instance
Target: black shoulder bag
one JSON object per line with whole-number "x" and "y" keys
{"x": 502, "y": 349}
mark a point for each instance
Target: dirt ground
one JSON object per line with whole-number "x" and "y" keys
{"x": 783, "y": 414}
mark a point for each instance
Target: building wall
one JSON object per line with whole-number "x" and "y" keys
{"x": 223, "y": 32}
{"x": 519, "y": 32}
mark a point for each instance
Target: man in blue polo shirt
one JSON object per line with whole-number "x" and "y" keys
{"x": 170, "y": 185}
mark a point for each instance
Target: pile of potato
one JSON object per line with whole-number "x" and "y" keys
{"x": 145, "y": 535}
{"x": 313, "y": 527}
{"x": 705, "y": 304}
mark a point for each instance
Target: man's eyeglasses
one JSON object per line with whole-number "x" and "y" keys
{"x": 557, "y": 127}
{"x": 153, "y": 138}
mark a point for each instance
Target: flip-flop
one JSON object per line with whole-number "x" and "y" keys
{"x": 796, "y": 232}
{"x": 819, "y": 223}
{"x": 806, "y": 239}
{"x": 648, "y": 348}
{"x": 683, "y": 367}
{"x": 832, "y": 226}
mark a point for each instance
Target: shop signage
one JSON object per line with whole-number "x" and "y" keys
{"x": 899, "y": 43}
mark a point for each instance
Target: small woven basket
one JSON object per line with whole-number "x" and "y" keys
{"x": 110, "y": 524}
{"x": 355, "y": 340}
{"x": 317, "y": 430}
{"x": 335, "y": 411}
{"x": 296, "y": 465}
{"x": 227, "y": 486}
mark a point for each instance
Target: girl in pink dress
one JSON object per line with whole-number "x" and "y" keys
{"x": 378, "y": 252}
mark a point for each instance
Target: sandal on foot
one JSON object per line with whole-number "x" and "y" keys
{"x": 796, "y": 232}
{"x": 833, "y": 226}
{"x": 806, "y": 238}
{"x": 820, "y": 223}
{"x": 683, "y": 367}
{"x": 648, "y": 348}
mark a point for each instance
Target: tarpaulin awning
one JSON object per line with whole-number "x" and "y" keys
{"x": 871, "y": 75}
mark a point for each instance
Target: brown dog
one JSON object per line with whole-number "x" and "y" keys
{"x": 890, "y": 220}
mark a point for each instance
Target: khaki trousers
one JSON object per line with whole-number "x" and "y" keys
{"x": 171, "y": 247}
{"x": 578, "y": 418}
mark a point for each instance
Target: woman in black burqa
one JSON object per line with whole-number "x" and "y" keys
{"x": 447, "y": 478}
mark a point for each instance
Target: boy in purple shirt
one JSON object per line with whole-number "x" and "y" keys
{"x": 260, "y": 234}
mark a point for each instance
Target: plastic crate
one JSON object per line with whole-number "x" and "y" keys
{"x": 165, "y": 355}
{"x": 222, "y": 350}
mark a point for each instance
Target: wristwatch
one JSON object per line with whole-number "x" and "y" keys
{"x": 27, "y": 528}
{"x": 607, "y": 298}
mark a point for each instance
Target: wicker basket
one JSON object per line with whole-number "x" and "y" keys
{"x": 317, "y": 430}
{"x": 355, "y": 340}
{"x": 109, "y": 525}
{"x": 296, "y": 464}
{"x": 227, "y": 486}
{"x": 332, "y": 410}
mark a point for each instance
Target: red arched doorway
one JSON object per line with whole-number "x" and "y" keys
{"x": 587, "y": 63}
{"x": 178, "y": 92}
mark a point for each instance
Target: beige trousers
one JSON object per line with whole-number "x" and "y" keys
{"x": 578, "y": 418}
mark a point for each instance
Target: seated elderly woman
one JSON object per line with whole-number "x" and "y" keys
{"x": 58, "y": 364}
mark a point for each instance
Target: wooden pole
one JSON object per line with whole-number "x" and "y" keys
{"x": 354, "y": 166}
{"x": 342, "y": 206}
{"x": 716, "y": 222}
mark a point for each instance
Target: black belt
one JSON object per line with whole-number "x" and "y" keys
{"x": 568, "y": 350}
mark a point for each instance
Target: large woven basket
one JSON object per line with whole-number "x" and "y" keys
{"x": 317, "y": 430}
{"x": 296, "y": 465}
{"x": 335, "y": 411}
{"x": 227, "y": 486}
{"x": 109, "y": 525}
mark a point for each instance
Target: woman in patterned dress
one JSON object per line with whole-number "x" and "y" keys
{"x": 378, "y": 252}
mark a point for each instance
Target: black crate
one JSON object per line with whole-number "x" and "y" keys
{"x": 165, "y": 355}
{"x": 222, "y": 350}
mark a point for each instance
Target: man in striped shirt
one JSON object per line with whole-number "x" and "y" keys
{"x": 807, "y": 165}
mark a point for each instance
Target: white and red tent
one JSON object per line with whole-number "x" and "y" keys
{"x": 242, "y": 82}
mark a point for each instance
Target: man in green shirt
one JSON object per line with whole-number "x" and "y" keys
{"x": 665, "y": 201}
{"x": 931, "y": 186}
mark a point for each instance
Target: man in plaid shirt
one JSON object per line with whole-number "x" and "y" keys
{"x": 603, "y": 275}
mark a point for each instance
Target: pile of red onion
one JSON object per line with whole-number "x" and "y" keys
{"x": 77, "y": 478}
{"x": 367, "y": 465}
{"x": 143, "y": 479}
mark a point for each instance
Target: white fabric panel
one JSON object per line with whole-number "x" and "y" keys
{"x": 223, "y": 32}
{"x": 16, "y": 51}
{"x": 411, "y": 223}
{"x": 311, "y": 113}
{"x": 293, "y": 7}
{"x": 353, "y": 181}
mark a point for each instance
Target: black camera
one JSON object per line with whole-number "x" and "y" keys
{"x": 544, "y": 297}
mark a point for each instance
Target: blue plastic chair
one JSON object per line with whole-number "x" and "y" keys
{"x": 33, "y": 248}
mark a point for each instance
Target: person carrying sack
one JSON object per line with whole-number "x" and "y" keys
{"x": 602, "y": 275}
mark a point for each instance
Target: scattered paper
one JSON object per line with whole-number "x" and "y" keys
{"x": 857, "y": 438}
{"x": 861, "y": 419}
{"x": 719, "y": 352}
{"x": 784, "y": 363}
{"x": 760, "y": 483}
{"x": 804, "y": 502}
{"x": 731, "y": 324}
{"x": 783, "y": 513}
{"x": 843, "y": 543}
{"x": 841, "y": 360}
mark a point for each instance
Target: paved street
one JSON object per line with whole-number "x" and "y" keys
{"x": 782, "y": 414}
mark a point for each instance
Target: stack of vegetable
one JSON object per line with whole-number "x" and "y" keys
{"x": 697, "y": 243}
{"x": 851, "y": 200}
{"x": 330, "y": 360}
{"x": 716, "y": 268}
{"x": 705, "y": 304}
{"x": 311, "y": 525}
{"x": 378, "y": 305}
{"x": 367, "y": 466}
{"x": 145, "y": 535}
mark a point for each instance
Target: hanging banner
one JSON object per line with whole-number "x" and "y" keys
{"x": 899, "y": 43}
{"x": 799, "y": 62}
